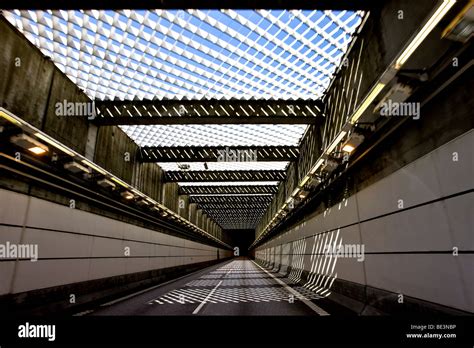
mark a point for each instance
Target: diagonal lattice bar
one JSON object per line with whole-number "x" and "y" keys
{"x": 229, "y": 208}
{"x": 148, "y": 112}
{"x": 216, "y": 190}
{"x": 217, "y": 153}
{"x": 230, "y": 199}
{"x": 222, "y": 175}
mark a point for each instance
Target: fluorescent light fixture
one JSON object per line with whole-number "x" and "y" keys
{"x": 317, "y": 165}
{"x": 348, "y": 148}
{"x": 93, "y": 166}
{"x": 304, "y": 181}
{"x": 427, "y": 28}
{"x": 295, "y": 192}
{"x": 120, "y": 182}
{"x": 127, "y": 195}
{"x": 336, "y": 142}
{"x": 75, "y": 167}
{"x": 136, "y": 192}
{"x": 106, "y": 183}
{"x": 303, "y": 194}
{"x": 367, "y": 101}
{"x": 56, "y": 144}
{"x": 29, "y": 144}
{"x": 10, "y": 118}
{"x": 37, "y": 150}
{"x": 352, "y": 142}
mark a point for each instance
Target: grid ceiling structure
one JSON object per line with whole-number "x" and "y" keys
{"x": 193, "y": 54}
{"x": 216, "y": 135}
{"x": 229, "y": 183}
{"x": 199, "y": 55}
{"x": 225, "y": 190}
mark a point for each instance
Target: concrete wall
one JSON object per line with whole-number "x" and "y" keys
{"x": 77, "y": 246}
{"x": 116, "y": 152}
{"x": 408, "y": 250}
{"x": 30, "y": 87}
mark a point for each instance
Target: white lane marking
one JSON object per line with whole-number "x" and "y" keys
{"x": 210, "y": 294}
{"x": 154, "y": 287}
{"x": 186, "y": 275}
{"x": 205, "y": 300}
{"x": 298, "y": 295}
{"x": 145, "y": 290}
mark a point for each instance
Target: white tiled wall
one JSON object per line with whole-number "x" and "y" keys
{"x": 84, "y": 254}
{"x": 411, "y": 234}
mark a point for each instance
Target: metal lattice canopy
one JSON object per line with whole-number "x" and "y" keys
{"x": 202, "y": 154}
{"x": 202, "y": 80}
{"x": 231, "y": 199}
{"x": 223, "y": 190}
{"x": 193, "y": 54}
{"x": 151, "y": 112}
{"x": 225, "y": 175}
{"x": 225, "y": 166}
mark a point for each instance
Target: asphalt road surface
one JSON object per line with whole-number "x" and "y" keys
{"x": 236, "y": 287}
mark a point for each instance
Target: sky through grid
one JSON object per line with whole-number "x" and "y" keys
{"x": 193, "y": 54}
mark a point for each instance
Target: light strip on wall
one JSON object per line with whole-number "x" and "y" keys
{"x": 27, "y": 127}
{"x": 336, "y": 142}
{"x": 304, "y": 181}
{"x": 370, "y": 98}
{"x": 56, "y": 144}
{"x": 317, "y": 165}
{"x": 10, "y": 118}
{"x": 93, "y": 166}
{"x": 295, "y": 192}
{"x": 120, "y": 182}
{"x": 428, "y": 27}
